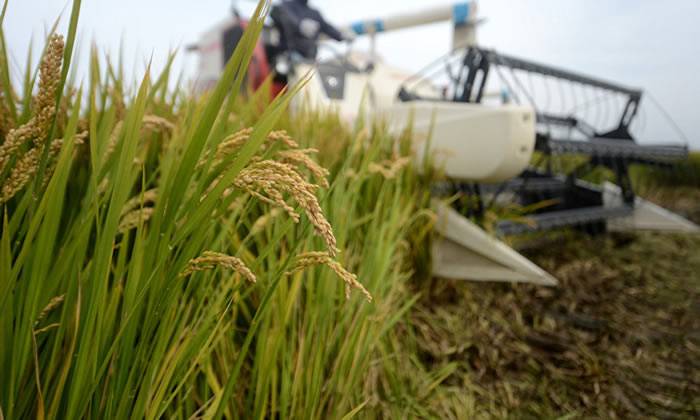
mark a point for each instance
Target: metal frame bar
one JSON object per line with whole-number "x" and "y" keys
{"x": 563, "y": 218}
{"x": 578, "y": 205}
{"x": 533, "y": 67}
{"x": 479, "y": 60}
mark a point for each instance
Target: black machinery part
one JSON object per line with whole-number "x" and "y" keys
{"x": 560, "y": 131}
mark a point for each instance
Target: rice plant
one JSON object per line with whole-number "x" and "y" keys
{"x": 166, "y": 255}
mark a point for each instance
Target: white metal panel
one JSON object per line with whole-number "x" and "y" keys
{"x": 466, "y": 252}
{"x": 460, "y": 13}
{"x": 210, "y": 50}
{"x": 646, "y": 215}
{"x": 472, "y": 142}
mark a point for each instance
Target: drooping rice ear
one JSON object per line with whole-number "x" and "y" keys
{"x": 210, "y": 260}
{"x": 311, "y": 259}
{"x": 271, "y": 179}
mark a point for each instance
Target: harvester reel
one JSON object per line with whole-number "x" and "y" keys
{"x": 581, "y": 121}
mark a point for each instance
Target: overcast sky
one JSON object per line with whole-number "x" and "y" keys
{"x": 651, "y": 44}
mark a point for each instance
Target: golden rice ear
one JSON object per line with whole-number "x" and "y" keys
{"x": 134, "y": 218}
{"x": 38, "y": 126}
{"x": 28, "y": 165}
{"x": 157, "y": 124}
{"x": 14, "y": 140}
{"x": 114, "y": 138}
{"x": 55, "y": 149}
{"x": 49, "y": 80}
{"x": 230, "y": 145}
{"x": 389, "y": 168}
{"x": 6, "y": 121}
{"x": 263, "y": 221}
{"x": 23, "y": 171}
{"x": 145, "y": 197}
{"x": 283, "y": 137}
{"x": 54, "y": 303}
{"x": 235, "y": 141}
{"x": 151, "y": 123}
{"x": 210, "y": 260}
{"x": 315, "y": 258}
{"x": 270, "y": 180}
{"x": 301, "y": 159}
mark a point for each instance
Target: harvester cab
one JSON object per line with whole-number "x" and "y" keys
{"x": 498, "y": 126}
{"x": 284, "y": 45}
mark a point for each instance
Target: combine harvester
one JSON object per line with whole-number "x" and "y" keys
{"x": 488, "y": 115}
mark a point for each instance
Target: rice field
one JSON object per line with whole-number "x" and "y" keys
{"x": 166, "y": 255}
{"x": 171, "y": 256}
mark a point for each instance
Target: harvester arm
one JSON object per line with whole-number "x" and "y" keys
{"x": 463, "y": 15}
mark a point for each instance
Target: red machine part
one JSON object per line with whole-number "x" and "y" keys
{"x": 260, "y": 68}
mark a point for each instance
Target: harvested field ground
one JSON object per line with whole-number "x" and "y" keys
{"x": 619, "y": 338}
{"x": 682, "y": 200}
